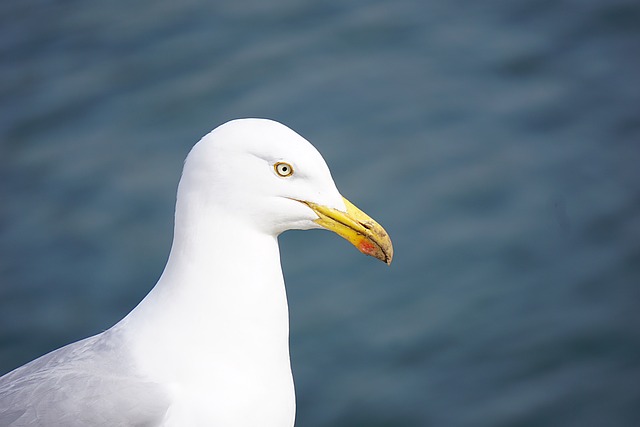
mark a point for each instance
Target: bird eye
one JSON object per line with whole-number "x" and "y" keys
{"x": 283, "y": 169}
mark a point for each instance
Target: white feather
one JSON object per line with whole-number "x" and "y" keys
{"x": 209, "y": 345}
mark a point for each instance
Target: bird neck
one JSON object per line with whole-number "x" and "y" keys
{"x": 221, "y": 295}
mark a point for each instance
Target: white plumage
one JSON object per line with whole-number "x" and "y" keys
{"x": 209, "y": 345}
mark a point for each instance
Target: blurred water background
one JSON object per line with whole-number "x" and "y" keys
{"x": 498, "y": 142}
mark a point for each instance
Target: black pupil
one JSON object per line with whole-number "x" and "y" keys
{"x": 284, "y": 169}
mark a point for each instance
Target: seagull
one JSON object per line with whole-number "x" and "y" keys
{"x": 209, "y": 344}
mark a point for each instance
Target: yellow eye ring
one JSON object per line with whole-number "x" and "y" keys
{"x": 283, "y": 169}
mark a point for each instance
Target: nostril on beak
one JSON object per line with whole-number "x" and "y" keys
{"x": 366, "y": 225}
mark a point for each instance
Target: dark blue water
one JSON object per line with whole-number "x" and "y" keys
{"x": 498, "y": 142}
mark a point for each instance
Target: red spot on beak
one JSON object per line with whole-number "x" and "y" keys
{"x": 366, "y": 247}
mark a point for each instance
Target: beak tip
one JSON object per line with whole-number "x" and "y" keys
{"x": 380, "y": 249}
{"x": 388, "y": 255}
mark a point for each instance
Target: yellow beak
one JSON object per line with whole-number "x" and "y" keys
{"x": 357, "y": 227}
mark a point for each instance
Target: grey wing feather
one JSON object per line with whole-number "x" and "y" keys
{"x": 92, "y": 382}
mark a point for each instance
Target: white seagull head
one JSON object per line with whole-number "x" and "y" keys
{"x": 264, "y": 174}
